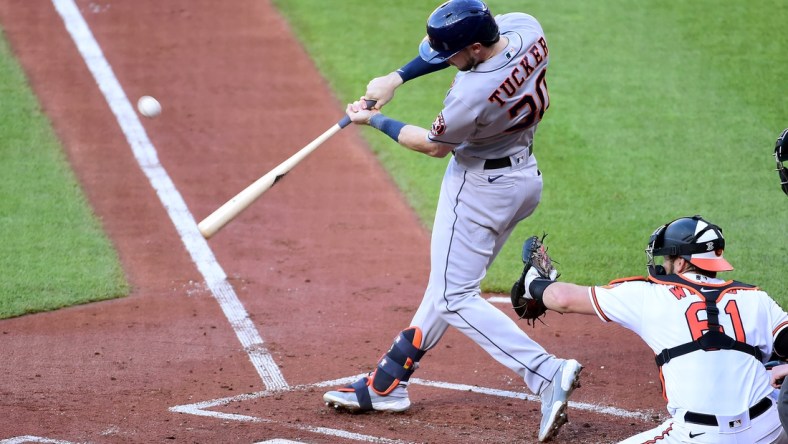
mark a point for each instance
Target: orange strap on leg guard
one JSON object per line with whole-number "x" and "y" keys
{"x": 399, "y": 362}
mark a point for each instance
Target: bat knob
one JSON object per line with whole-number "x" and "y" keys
{"x": 346, "y": 120}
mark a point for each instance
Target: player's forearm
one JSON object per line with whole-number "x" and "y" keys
{"x": 410, "y": 136}
{"x": 780, "y": 371}
{"x": 418, "y": 67}
{"x": 415, "y": 138}
{"x": 564, "y": 297}
{"x": 381, "y": 89}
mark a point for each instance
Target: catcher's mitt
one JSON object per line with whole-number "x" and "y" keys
{"x": 780, "y": 156}
{"x": 537, "y": 265}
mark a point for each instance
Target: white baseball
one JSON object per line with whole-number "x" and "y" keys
{"x": 148, "y": 106}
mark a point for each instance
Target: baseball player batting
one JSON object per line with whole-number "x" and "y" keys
{"x": 711, "y": 337}
{"x": 492, "y": 182}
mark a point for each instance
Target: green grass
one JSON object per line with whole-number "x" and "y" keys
{"x": 54, "y": 252}
{"x": 659, "y": 109}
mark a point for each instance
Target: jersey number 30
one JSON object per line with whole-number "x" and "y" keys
{"x": 533, "y": 106}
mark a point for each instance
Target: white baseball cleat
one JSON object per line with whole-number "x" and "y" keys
{"x": 555, "y": 398}
{"x": 347, "y": 398}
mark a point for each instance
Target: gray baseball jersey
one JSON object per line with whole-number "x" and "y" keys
{"x": 492, "y": 110}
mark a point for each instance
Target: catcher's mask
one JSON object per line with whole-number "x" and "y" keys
{"x": 780, "y": 156}
{"x": 693, "y": 239}
{"x": 455, "y": 25}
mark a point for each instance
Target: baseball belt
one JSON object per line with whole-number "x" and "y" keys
{"x": 710, "y": 420}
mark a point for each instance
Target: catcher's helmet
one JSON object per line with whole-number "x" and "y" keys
{"x": 693, "y": 239}
{"x": 780, "y": 156}
{"x": 455, "y": 25}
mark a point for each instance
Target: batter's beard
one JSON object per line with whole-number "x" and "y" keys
{"x": 472, "y": 63}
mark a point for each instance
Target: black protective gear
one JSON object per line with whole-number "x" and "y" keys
{"x": 692, "y": 238}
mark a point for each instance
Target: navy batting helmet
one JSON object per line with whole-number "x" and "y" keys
{"x": 455, "y": 25}
{"x": 694, "y": 239}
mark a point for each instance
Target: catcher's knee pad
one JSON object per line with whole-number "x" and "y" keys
{"x": 399, "y": 362}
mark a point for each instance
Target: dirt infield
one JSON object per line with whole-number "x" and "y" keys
{"x": 328, "y": 266}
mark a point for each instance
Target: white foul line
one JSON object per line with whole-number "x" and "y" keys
{"x": 201, "y": 408}
{"x": 499, "y": 300}
{"x": 146, "y": 156}
{"x": 28, "y": 438}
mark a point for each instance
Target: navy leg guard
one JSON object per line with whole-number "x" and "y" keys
{"x": 399, "y": 362}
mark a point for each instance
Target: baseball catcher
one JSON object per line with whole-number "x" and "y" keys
{"x": 538, "y": 265}
{"x": 780, "y": 156}
{"x": 710, "y": 336}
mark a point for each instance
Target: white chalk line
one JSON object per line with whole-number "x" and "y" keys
{"x": 202, "y": 408}
{"x": 30, "y": 438}
{"x": 277, "y": 441}
{"x": 499, "y": 300}
{"x": 147, "y": 157}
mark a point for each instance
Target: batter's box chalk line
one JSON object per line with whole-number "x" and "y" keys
{"x": 28, "y": 438}
{"x": 203, "y": 408}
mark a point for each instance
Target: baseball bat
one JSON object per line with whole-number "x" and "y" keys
{"x": 233, "y": 207}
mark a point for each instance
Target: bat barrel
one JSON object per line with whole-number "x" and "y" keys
{"x": 227, "y": 212}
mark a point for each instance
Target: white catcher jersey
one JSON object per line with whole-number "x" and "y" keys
{"x": 722, "y": 382}
{"x": 492, "y": 110}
